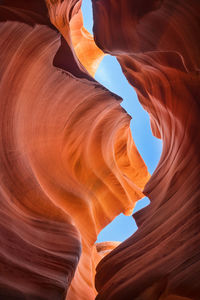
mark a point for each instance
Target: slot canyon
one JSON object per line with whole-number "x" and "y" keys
{"x": 68, "y": 162}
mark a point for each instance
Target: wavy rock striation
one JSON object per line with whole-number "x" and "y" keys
{"x": 68, "y": 164}
{"x": 157, "y": 45}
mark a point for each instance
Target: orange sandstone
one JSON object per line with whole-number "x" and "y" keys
{"x": 68, "y": 163}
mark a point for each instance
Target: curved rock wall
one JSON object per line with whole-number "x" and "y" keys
{"x": 157, "y": 45}
{"x": 68, "y": 164}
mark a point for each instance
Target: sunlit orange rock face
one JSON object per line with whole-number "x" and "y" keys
{"x": 157, "y": 44}
{"x": 83, "y": 43}
{"x": 68, "y": 163}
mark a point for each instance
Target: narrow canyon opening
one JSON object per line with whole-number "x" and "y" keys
{"x": 110, "y": 75}
{"x": 70, "y": 154}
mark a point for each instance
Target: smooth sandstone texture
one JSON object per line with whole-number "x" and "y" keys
{"x": 68, "y": 163}
{"x": 157, "y": 44}
{"x": 84, "y": 46}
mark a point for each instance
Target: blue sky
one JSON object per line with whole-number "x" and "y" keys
{"x": 110, "y": 75}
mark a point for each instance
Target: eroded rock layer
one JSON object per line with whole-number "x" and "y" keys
{"x": 157, "y": 44}
{"x": 68, "y": 164}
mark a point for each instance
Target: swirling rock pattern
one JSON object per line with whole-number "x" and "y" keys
{"x": 157, "y": 45}
{"x": 68, "y": 164}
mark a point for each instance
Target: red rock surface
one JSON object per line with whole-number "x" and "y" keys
{"x": 157, "y": 44}
{"x": 68, "y": 164}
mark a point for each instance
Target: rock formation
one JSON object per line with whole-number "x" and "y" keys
{"x": 68, "y": 163}
{"x": 157, "y": 44}
{"x": 84, "y": 46}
